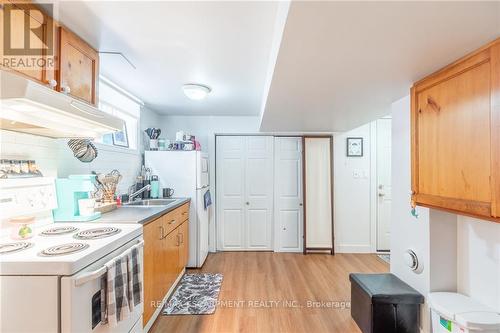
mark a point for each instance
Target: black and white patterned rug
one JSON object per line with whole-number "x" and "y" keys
{"x": 196, "y": 294}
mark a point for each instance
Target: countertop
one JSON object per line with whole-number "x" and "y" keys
{"x": 142, "y": 215}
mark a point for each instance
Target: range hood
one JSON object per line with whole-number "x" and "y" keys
{"x": 29, "y": 107}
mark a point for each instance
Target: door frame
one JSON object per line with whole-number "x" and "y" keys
{"x": 304, "y": 194}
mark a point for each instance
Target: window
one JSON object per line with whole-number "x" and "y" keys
{"x": 119, "y": 103}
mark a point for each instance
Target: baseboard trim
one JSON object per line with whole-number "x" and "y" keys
{"x": 353, "y": 249}
{"x": 163, "y": 302}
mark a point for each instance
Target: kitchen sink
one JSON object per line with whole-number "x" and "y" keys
{"x": 150, "y": 202}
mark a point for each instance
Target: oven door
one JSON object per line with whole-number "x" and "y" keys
{"x": 81, "y": 299}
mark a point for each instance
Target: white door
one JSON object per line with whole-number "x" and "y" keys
{"x": 259, "y": 192}
{"x": 384, "y": 184}
{"x": 230, "y": 173}
{"x": 288, "y": 212}
{"x": 245, "y": 192}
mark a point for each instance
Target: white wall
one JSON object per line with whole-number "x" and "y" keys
{"x": 353, "y": 194}
{"x": 407, "y": 232}
{"x": 205, "y": 128}
{"x": 479, "y": 260}
{"x": 55, "y": 159}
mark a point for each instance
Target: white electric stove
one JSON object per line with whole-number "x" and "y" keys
{"x": 51, "y": 282}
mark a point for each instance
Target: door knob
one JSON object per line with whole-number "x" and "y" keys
{"x": 247, "y": 203}
{"x": 381, "y": 194}
{"x": 300, "y": 204}
{"x": 66, "y": 89}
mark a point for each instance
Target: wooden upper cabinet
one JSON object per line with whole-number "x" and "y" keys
{"x": 78, "y": 67}
{"x": 455, "y": 120}
{"x": 28, "y": 45}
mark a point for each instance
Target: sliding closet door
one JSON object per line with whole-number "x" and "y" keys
{"x": 230, "y": 175}
{"x": 244, "y": 172}
{"x": 259, "y": 192}
{"x": 318, "y": 193}
{"x": 288, "y": 202}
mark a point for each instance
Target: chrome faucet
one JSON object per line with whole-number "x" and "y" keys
{"x": 132, "y": 194}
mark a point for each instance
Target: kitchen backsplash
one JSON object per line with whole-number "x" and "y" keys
{"x": 55, "y": 159}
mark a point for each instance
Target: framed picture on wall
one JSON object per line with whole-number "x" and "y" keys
{"x": 120, "y": 138}
{"x": 354, "y": 147}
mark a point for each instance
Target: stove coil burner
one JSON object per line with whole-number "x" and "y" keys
{"x": 63, "y": 249}
{"x": 97, "y": 233}
{"x": 6, "y": 248}
{"x": 56, "y": 231}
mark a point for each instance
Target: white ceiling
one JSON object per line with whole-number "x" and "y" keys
{"x": 327, "y": 66}
{"x": 342, "y": 64}
{"x": 225, "y": 45}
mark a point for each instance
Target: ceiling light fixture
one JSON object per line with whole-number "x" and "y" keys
{"x": 196, "y": 91}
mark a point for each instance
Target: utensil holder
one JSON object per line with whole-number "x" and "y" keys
{"x": 153, "y": 144}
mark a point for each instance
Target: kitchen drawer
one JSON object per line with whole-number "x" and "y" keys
{"x": 183, "y": 212}
{"x": 170, "y": 221}
{"x": 173, "y": 219}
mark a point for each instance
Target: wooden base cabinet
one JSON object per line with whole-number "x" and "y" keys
{"x": 183, "y": 245}
{"x": 455, "y": 121}
{"x": 165, "y": 256}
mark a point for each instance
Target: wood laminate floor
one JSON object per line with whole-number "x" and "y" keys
{"x": 278, "y": 292}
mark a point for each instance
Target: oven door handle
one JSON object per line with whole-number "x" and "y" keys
{"x": 101, "y": 271}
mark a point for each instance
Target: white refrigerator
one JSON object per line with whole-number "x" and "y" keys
{"x": 187, "y": 173}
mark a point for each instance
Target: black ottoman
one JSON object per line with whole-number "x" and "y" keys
{"x": 382, "y": 303}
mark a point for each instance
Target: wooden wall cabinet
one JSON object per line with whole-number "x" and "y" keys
{"x": 73, "y": 68}
{"x": 165, "y": 256}
{"x": 39, "y": 64}
{"x": 455, "y": 122}
{"x": 78, "y": 73}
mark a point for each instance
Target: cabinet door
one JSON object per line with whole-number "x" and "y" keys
{"x": 183, "y": 245}
{"x": 454, "y": 147}
{"x": 153, "y": 258}
{"x": 171, "y": 258}
{"x": 78, "y": 67}
{"x": 32, "y": 51}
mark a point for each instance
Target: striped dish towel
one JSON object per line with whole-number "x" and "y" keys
{"x": 135, "y": 277}
{"x": 121, "y": 286}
